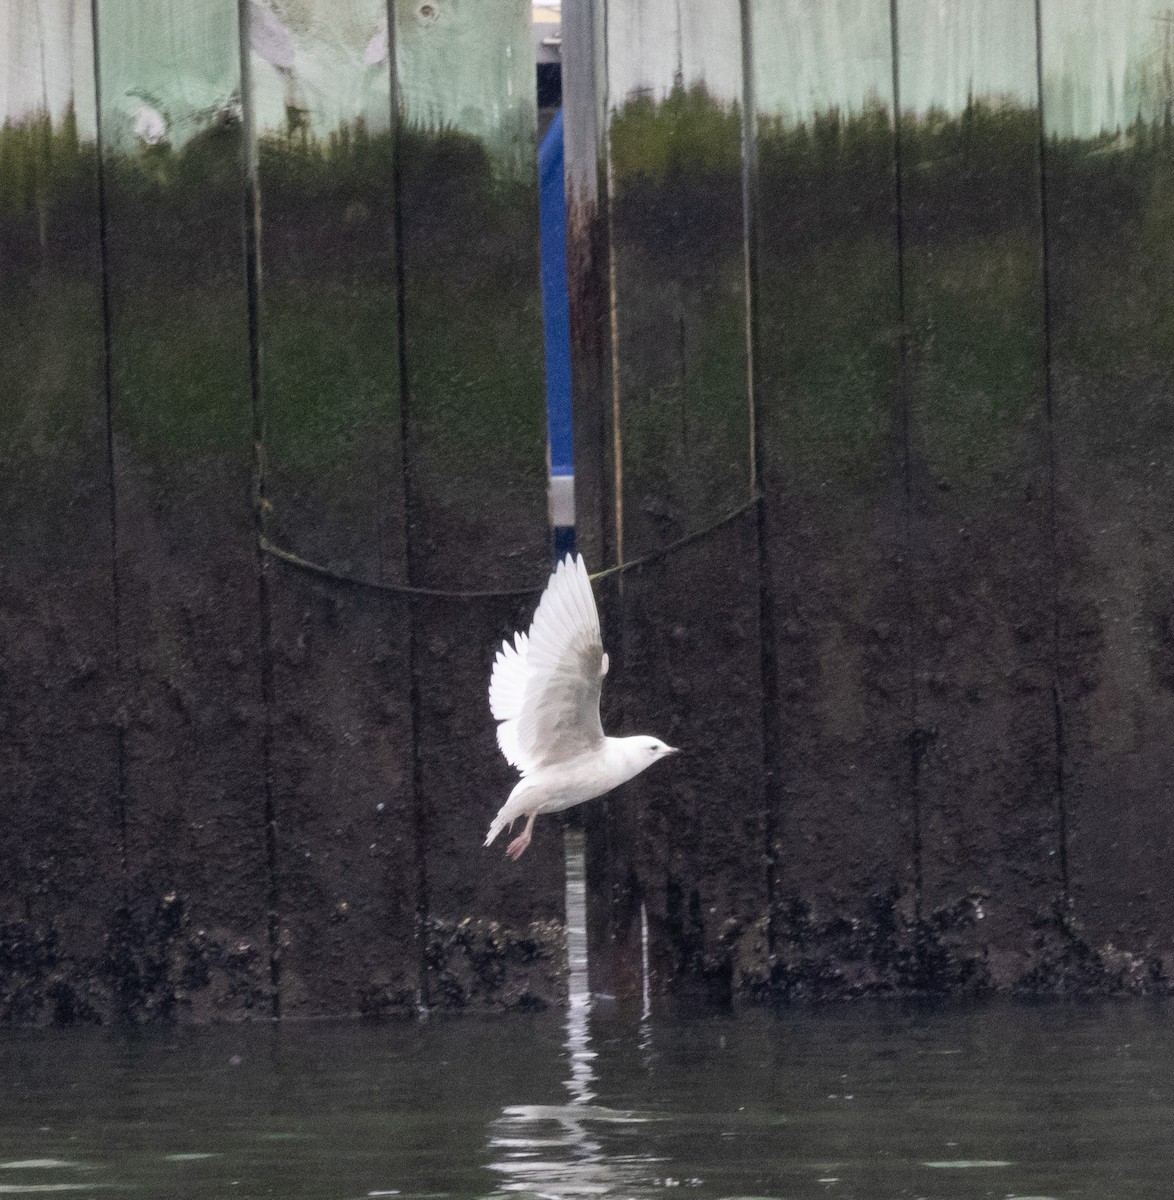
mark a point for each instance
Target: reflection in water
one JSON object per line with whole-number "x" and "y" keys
{"x": 858, "y": 1102}
{"x": 557, "y": 1150}
{"x": 579, "y": 1009}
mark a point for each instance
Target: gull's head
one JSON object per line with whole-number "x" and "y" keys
{"x": 631, "y": 755}
{"x": 646, "y": 750}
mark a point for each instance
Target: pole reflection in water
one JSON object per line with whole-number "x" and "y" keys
{"x": 558, "y": 1150}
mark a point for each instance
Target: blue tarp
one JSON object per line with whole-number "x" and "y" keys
{"x": 552, "y": 204}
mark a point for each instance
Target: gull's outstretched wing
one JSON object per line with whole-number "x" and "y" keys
{"x": 545, "y": 687}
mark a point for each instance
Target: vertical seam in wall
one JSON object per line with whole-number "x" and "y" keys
{"x": 419, "y": 809}
{"x": 1050, "y": 411}
{"x": 252, "y": 247}
{"x": 112, "y": 493}
{"x": 614, "y": 339}
{"x": 617, "y": 850}
{"x": 118, "y": 966}
{"x": 914, "y": 734}
{"x": 750, "y": 228}
{"x": 613, "y": 319}
{"x": 624, "y": 850}
{"x": 768, "y": 658}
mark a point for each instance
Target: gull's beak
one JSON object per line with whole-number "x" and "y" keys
{"x": 672, "y": 750}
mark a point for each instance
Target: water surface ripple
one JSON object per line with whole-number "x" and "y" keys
{"x": 859, "y": 1102}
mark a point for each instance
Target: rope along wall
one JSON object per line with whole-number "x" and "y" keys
{"x": 290, "y": 558}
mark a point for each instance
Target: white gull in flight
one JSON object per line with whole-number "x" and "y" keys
{"x": 544, "y": 691}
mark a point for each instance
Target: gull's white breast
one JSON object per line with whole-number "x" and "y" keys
{"x": 565, "y": 784}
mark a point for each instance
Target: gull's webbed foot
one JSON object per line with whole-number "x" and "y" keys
{"x": 517, "y": 847}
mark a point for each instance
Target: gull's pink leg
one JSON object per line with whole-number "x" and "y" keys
{"x": 517, "y": 847}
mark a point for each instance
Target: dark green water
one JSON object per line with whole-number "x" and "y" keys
{"x": 854, "y": 1102}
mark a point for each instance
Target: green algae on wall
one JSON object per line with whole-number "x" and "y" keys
{"x": 469, "y": 66}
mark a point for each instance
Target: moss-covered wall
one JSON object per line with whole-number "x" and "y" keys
{"x": 879, "y": 308}
{"x": 248, "y": 296}
{"x": 940, "y": 227}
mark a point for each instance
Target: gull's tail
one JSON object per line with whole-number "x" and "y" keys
{"x": 510, "y": 811}
{"x": 497, "y": 825}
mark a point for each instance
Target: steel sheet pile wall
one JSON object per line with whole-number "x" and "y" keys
{"x": 832, "y": 421}
{"x": 958, "y": 387}
{"x": 249, "y": 302}
{"x": 329, "y": 383}
{"x": 1108, "y": 115}
{"x": 59, "y": 700}
{"x": 872, "y": 386}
